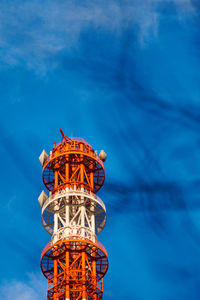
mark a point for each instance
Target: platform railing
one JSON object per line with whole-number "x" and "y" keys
{"x": 76, "y": 192}
{"x": 51, "y": 243}
{"x": 73, "y": 146}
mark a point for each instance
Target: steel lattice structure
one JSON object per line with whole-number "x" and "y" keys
{"x": 74, "y": 261}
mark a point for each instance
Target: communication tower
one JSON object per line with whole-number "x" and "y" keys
{"x": 74, "y": 261}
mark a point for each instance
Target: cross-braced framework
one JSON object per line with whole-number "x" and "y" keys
{"x": 74, "y": 261}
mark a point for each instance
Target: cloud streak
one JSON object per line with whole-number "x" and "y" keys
{"x": 34, "y": 34}
{"x": 32, "y": 289}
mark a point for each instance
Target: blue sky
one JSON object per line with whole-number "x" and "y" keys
{"x": 124, "y": 75}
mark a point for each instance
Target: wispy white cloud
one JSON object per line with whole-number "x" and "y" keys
{"x": 33, "y": 289}
{"x": 33, "y": 33}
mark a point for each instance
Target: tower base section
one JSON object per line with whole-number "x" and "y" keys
{"x": 74, "y": 269}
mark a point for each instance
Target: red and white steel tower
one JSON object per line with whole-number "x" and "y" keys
{"x": 74, "y": 261}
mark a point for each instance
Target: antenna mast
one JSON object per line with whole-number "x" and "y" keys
{"x": 74, "y": 261}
